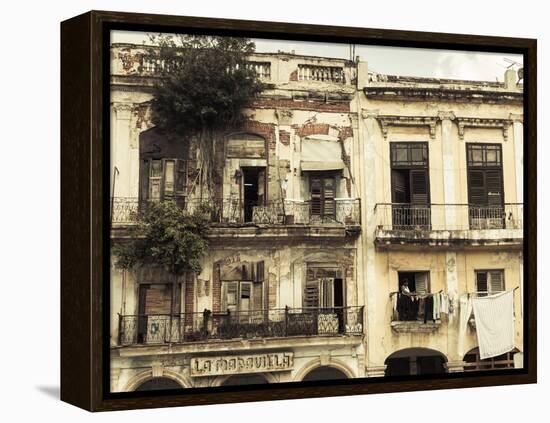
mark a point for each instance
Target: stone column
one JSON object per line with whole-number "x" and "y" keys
{"x": 370, "y": 133}
{"x": 517, "y": 124}
{"x": 120, "y": 141}
{"x": 449, "y": 168}
{"x": 376, "y": 371}
{"x": 455, "y": 366}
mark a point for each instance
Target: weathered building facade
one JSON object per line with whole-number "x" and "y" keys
{"x": 340, "y": 184}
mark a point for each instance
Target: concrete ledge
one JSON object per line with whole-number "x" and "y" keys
{"x": 415, "y": 327}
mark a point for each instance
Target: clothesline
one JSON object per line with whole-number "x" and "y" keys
{"x": 468, "y": 294}
{"x": 416, "y": 295}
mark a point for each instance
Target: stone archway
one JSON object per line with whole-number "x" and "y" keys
{"x": 158, "y": 383}
{"x": 415, "y": 361}
{"x": 245, "y": 379}
{"x": 325, "y": 373}
{"x": 339, "y": 370}
{"x": 171, "y": 379}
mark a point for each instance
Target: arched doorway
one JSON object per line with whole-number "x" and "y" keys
{"x": 415, "y": 361}
{"x": 325, "y": 373}
{"x": 246, "y": 379}
{"x": 158, "y": 383}
{"x": 474, "y": 363}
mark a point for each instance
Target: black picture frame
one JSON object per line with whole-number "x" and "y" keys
{"x": 84, "y": 209}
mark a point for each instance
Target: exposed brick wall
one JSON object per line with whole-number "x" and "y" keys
{"x": 284, "y": 137}
{"x": 318, "y": 106}
{"x": 266, "y": 130}
{"x": 345, "y": 133}
{"x": 311, "y": 129}
{"x": 216, "y": 288}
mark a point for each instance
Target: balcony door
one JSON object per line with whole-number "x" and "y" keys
{"x": 410, "y": 185}
{"x": 253, "y": 190}
{"x": 323, "y": 192}
{"x": 485, "y": 186}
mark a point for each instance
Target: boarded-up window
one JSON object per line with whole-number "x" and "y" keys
{"x": 157, "y": 299}
{"x": 246, "y": 146}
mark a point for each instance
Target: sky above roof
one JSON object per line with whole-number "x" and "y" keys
{"x": 404, "y": 61}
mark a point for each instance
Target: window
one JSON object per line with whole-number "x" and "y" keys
{"x": 489, "y": 281}
{"x": 418, "y": 282}
{"x": 323, "y": 193}
{"x": 163, "y": 179}
{"x": 246, "y": 294}
{"x": 323, "y": 288}
{"x": 485, "y": 186}
{"x": 410, "y": 185}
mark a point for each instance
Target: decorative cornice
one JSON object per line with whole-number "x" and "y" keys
{"x": 391, "y": 120}
{"x": 369, "y": 113}
{"x": 470, "y": 122}
{"x": 516, "y": 117}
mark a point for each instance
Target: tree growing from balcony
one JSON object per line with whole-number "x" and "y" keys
{"x": 166, "y": 236}
{"x": 205, "y": 86}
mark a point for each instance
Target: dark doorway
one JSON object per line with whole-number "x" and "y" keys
{"x": 158, "y": 383}
{"x": 325, "y": 373}
{"x": 415, "y": 361}
{"x": 247, "y": 379}
{"x": 253, "y": 190}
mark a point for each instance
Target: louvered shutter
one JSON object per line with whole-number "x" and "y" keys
{"x": 169, "y": 178}
{"x": 496, "y": 281}
{"x": 493, "y": 179}
{"x": 245, "y": 296}
{"x": 316, "y": 194}
{"x": 326, "y": 293}
{"x": 257, "y": 296}
{"x": 481, "y": 281}
{"x": 421, "y": 282}
{"x": 230, "y": 291}
{"x": 399, "y": 187}
{"x": 311, "y": 294}
{"x": 477, "y": 191}
{"x": 180, "y": 187}
{"x": 143, "y": 183}
{"x": 419, "y": 186}
{"x": 329, "y": 194}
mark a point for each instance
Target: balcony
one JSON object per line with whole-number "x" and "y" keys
{"x": 345, "y": 216}
{"x": 408, "y": 317}
{"x": 401, "y": 225}
{"x": 259, "y": 324}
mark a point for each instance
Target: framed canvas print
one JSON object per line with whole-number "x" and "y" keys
{"x": 257, "y": 210}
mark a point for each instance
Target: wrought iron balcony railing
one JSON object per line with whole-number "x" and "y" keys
{"x": 127, "y": 210}
{"x": 206, "y": 326}
{"x": 440, "y": 217}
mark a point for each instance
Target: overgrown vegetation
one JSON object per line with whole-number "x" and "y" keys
{"x": 166, "y": 236}
{"x": 206, "y": 84}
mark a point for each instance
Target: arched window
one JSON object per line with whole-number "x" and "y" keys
{"x": 415, "y": 361}
{"x": 475, "y": 363}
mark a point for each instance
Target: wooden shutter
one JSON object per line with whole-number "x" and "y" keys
{"x": 155, "y": 180}
{"x": 261, "y": 187}
{"x": 259, "y": 272}
{"x": 158, "y": 299}
{"x": 180, "y": 187}
{"x": 316, "y": 194}
{"x": 493, "y": 181}
{"x": 245, "y": 296}
{"x": 477, "y": 191}
{"x": 311, "y": 294}
{"x": 481, "y": 281}
{"x": 421, "y": 282}
{"x": 257, "y": 296}
{"x": 144, "y": 180}
{"x": 169, "y": 178}
{"x": 496, "y": 281}
{"x": 230, "y": 291}
{"x": 419, "y": 186}
{"x": 399, "y": 187}
{"x": 329, "y": 194}
{"x": 326, "y": 293}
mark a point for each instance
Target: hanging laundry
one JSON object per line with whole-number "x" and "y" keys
{"x": 465, "y": 311}
{"x": 494, "y": 316}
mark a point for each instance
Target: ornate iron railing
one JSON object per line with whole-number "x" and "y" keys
{"x": 127, "y": 210}
{"x": 276, "y": 323}
{"x": 433, "y": 217}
